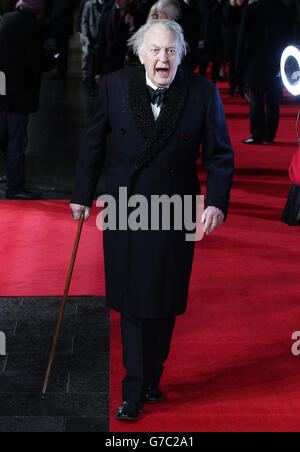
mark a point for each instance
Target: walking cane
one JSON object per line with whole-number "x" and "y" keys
{"x": 63, "y": 306}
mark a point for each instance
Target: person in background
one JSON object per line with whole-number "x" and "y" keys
{"x": 153, "y": 14}
{"x": 90, "y": 28}
{"x": 84, "y": 45}
{"x": 22, "y": 60}
{"x": 6, "y": 6}
{"x": 291, "y": 17}
{"x": 61, "y": 16}
{"x": 165, "y": 9}
{"x": 261, "y": 42}
{"x": 203, "y": 60}
{"x": 191, "y": 22}
{"x": 140, "y": 10}
{"x": 232, "y": 18}
{"x": 214, "y": 37}
{"x": 117, "y": 25}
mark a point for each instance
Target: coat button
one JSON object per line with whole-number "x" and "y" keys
{"x": 185, "y": 137}
{"x": 170, "y": 170}
{"x": 124, "y": 131}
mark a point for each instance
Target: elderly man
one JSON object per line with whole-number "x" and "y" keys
{"x": 159, "y": 118}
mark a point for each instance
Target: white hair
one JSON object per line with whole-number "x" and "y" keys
{"x": 136, "y": 42}
{"x": 170, "y": 7}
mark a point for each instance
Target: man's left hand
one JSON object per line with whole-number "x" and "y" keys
{"x": 212, "y": 219}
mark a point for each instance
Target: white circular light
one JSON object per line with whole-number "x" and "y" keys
{"x": 291, "y": 52}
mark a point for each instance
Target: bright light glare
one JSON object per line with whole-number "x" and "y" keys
{"x": 291, "y": 52}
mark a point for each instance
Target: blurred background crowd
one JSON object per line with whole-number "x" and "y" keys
{"x": 236, "y": 40}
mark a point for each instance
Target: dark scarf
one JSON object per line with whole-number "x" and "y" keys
{"x": 156, "y": 134}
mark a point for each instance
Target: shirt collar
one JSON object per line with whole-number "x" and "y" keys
{"x": 149, "y": 83}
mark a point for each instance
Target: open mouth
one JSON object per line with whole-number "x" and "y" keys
{"x": 162, "y": 72}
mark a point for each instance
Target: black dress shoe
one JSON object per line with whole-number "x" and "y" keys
{"x": 25, "y": 196}
{"x": 252, "y": 141}
{"x": 153, "y": 395}
{"x": 128, "y": 411}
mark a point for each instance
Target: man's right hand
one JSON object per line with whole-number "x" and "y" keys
{"x": 77, "y": 210}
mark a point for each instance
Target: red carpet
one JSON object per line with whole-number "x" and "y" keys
{"x": 37, "y": 240}
{"x": 231, "y": 367}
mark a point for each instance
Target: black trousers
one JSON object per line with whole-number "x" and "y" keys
{"x": 264, "y": 123}
{"x": 62, "y": 47}
{"x": 146, "y": 347}
{"x": 13, "y": 142}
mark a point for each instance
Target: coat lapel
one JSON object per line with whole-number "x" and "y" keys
{"x": 140, "y": 104}
{"x": 156, "y": 134}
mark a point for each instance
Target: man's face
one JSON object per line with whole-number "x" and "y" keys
{"x": 161, "y": 56}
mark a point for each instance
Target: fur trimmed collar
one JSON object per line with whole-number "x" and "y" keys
{"x": 156, "y": 134}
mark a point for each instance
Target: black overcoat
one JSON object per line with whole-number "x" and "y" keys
{"x": 148, "y": 272}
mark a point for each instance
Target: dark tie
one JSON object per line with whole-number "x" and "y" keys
{"x": 157, "y": 96}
